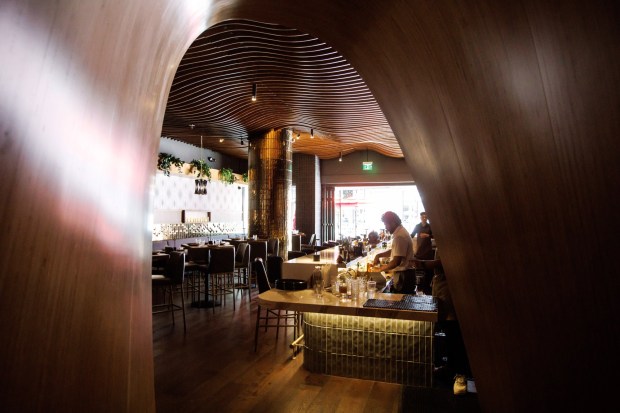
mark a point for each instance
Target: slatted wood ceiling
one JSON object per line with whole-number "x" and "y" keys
{"x": 302, "y": 83}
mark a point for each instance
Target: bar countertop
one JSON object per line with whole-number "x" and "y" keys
{"x": 307, "y": 302}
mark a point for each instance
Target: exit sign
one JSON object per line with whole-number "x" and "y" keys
{"x": 366, "y": 166}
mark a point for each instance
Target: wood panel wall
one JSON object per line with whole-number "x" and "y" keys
{"x": 83, "y": 87}
{"x": 507, "y": 113}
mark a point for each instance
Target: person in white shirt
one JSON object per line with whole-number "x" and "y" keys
{"x": 401, "y": 251}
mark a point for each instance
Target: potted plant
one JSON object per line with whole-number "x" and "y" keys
{"x": 165, "y": 161}
{"x": 227, "y": 176}
{"x": 201, "y": 167}
{"x": 245, "y": 177}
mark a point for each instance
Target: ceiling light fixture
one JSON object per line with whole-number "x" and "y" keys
{"x": 254, "y": 92}
{"x": 200, "y": 184}
{"x": 311, "y": 133}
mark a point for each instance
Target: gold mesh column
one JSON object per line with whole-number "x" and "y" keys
{"x": 269, "y": 177}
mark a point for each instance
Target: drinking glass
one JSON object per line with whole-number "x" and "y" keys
{"x": 362, "y": 288}
{"x": 317, "y": 278}
{"x": 355, "y": 288}
{"x": 336, "y": 288}
{"x": 371, "y": 286}
{"x": 345, "y": 286}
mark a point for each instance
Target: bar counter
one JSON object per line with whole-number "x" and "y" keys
{"x": 349, "y": 340}
{"x": 305, "y": 301}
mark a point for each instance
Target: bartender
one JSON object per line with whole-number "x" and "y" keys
{"x": 400, "y": 253}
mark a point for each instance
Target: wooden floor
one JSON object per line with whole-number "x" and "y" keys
{"x": 213, "y": 368}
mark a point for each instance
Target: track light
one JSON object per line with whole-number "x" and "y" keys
{"x": 241, "y": 141}
{"x": 221, "y": 140}
{"x": 254, "y": 92}
{"x": 340, "y": 159}
{"x": 311, "y": 133}
{"x": 298, "y": 136}
{"x": 211, "y": 159}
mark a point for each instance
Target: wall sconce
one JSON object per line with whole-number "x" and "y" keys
{"x": 254, "y": 92}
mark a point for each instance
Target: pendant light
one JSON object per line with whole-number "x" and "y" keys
{"x": 200, "y": 183}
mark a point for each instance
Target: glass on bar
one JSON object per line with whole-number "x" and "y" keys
{"x": 371, "y": 287}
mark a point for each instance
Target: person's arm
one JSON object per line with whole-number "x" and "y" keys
{"x": 381, "y": 255}
{"x": 394, "y": 262}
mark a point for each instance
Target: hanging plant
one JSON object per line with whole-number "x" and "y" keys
{"x": 201, "y": 167}
{"x": 227, "y": 176}
{"x": 245, "y": 177}
{"x": 165, "y": 161}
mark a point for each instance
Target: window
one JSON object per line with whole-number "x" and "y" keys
{"x": 358, "y": 210}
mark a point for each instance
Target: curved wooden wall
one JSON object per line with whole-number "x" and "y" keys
{"x": 507, "y": 114}
{"x": 83, "y": 87}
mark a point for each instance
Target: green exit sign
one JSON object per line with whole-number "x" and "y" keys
{"x": 366, "y": 166}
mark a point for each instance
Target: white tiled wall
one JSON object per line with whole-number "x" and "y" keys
{"x": 174, "y": 193}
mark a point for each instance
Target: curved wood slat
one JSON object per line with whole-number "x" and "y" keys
{"x": 302, "y": 84}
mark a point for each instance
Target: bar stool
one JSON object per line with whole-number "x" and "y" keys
{"x": 242, "y": 268}
{"x": 221, "y": 272}
{"x": 172, "y": 278}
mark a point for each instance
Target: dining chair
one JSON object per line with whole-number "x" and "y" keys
{"x": 273, "y": 247}
{"x": 221, "y": 273}
{"x": 272, "y": 318}
{"x": 310, "y": 243}
{"x": 173, "y": 277}
{"x": 274, "y": 269}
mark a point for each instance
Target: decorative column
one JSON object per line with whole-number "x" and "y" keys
{"x": 269, "y": 177}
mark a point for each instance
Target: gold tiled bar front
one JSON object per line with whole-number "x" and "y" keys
{"x": 382, "y": 349}
{"x": 344, "y": 338}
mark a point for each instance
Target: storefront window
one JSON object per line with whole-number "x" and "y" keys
{"x": 359, "y": 209}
